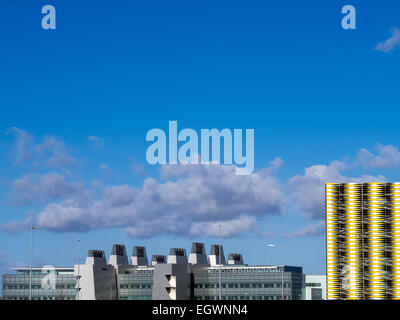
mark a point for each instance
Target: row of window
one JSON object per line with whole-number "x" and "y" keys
{"x": 240, "y": 270}
{"x": 136, "y": 286}
{"x": 133, "y": 272}
{"x": 136, "y": 298}
{"x": 242, "y": 285}
{"x": 36, "y": 286}
{"x": 245, "y": 297}
{"x": 37, "y": 272}
{"x": 39, "y": 298}
{"x": 248, "y": 277}
{"x": 311, "y": 284}
{"x": 59, "y": 279}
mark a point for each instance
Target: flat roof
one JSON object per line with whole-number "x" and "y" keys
{"x": 43, "y": 268}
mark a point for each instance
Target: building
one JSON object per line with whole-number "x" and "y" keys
{"x": 363, "y": 241}
{"x": 176, "y": 277}
{"x": 314, "y": 287}
{"x": 48, "y": 283}
{"x": 96, "y": 280}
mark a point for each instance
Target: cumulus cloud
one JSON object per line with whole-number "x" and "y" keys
{"x": 228, "y": 228}
{"x": 274, "y": 165}
{"x": 385, "y": 157}
{"x": 17, "y": 226}
{"x": 51, "y": 152}
{"x": 391, "y": 43}
{"x": 313, "y": 229}
{"x": 308, "y": 188}
{"x": 196, "y": 198}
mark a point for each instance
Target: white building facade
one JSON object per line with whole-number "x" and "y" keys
{"x": 314, "y": 287}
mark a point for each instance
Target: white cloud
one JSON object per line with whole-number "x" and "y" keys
{"x": 188, "y": 200}
{"x": 386, "y": 157}
{"x": 17, "y": 226}
{"x": 228, "y": 228}
{"x": 99, "y": 142}
{"x": 55, "y": 151}
{"x": 391, "y": 43}
{"x": 199, "y": 196}
{"x": 34, "y": 187}
{"x": 139, "y": 169}
{"x": 23, "y": 141}
{"x": 66, "y": 216}
{"x": 105, "y": 168}
{"x": 309, "y": 188}
{"x": 119, "y": 196}
{"x": 313, "y": 229}
{"x": 51, "y": 152}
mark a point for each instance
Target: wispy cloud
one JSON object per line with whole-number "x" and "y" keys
{"x": 391, "y": 43}
{"x": 105, "y": 167}
{"x": 313, "y": 229}
{"x": 385, "y": 157}
{"x": 17, "y": 226}
{"x": 228, "y": 228}
{"x": 99, "y": 142}
{"x": 50, "y": 152}
{"x": 33, "y": 188}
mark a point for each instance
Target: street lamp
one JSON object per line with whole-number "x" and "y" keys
{"x": 219, "y": 253}
{"x": 281, "y": 245}
{"x": 79, "y": 262}
{"x": 30, "y": 264}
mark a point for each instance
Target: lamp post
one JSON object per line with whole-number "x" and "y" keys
{"x": 30, "y": 263}
{"x": 219, "y": 253}
{"x": 79, "y": 263}
{"x": 281, "y": 245}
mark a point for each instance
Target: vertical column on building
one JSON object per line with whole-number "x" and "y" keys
{"x": 351, "y": 247}
{"x": 374, "y": 228}
{"x": 393, "y": 240}
{"x": 332, "y": 241}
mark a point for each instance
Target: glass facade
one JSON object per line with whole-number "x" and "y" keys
{"x": 248, "y": 283}
{"x": 136, "y": 285}
{"x": 238, "y": 282}
{"x": 16, "y": 286}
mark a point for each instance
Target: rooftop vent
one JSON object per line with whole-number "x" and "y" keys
{"x": 138, "y": 251}
{"x": 96, "y": 253}
{"x": 177, "y": 252}
{"x": 118, "y": 250}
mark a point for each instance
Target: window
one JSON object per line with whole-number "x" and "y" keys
{"x": 316, "y": 294}
{"x": 313, "y": 284}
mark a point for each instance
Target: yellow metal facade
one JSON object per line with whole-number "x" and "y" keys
{"x": 350, "y": 207}
{"x": 332, "y": 241}
{"x": 363, "y": 241}
{"x": 393, "y": 191}
{"x": 374, "y": 235}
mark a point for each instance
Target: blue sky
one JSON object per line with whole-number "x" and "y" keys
{"x": 323, "y": 102}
